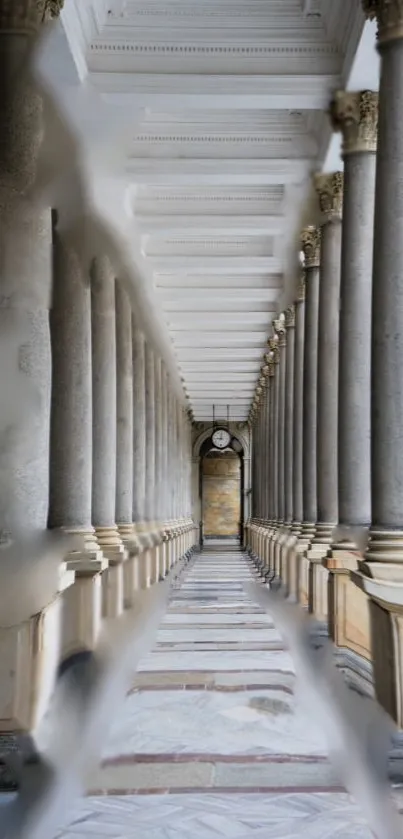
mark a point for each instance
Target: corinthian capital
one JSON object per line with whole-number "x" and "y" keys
{"x": 290, "y": 317}
{"x": 280, "y": 330}
{"x": 310, "y": 244}
{"x": 26, "y": 16}
{"x": 330, "y": 192}
{"x": 389, "y": 14}
{"x": 355, "y": 115}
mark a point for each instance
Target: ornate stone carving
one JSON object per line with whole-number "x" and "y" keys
{"x": 273, "y": 344}
{"x": 301, "y": 287}
{"x": 280, "y": 330}
{"x": 310, "y": 244}
{"x": 389, "y": 14}
{"x": 290, "y": 317}
{"x": 355, "y": 115}
{"x": 330, "y": 192}
{"x": 25, "y": 16}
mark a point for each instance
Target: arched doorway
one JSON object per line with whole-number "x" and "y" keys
{"x": 221, "y": 492}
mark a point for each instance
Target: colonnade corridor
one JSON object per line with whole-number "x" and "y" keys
{"x": 211, "y": 740}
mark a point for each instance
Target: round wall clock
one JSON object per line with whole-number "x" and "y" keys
{"x": 221, "y": 438}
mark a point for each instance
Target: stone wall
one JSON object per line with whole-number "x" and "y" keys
{"x": 221, "y": 494}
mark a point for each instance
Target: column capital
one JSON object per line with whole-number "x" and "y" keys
{"x": 270, "y": 363}
{"x": 273, "y": 344}
{"x": 290, "y": 317}
{"x": 329, "y": 187}
{"x": 25, "y": 16}
{"x": 310, "y": 244}
{"x": 355, "y": 115}
{"x": 389, "y": 15}
{"x": 280, "y": 330}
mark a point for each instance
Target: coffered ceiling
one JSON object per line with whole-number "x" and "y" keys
{"x": 228, "y": 100}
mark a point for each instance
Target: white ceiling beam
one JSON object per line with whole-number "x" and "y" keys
{"x": 222, "y": 283}
{"x": 201, "y": 322}
{"x": 206, "y": 368}
{"x": 159, "y": 227}
{"x": 258, "y": 302}
{"x": 217, "y": 339}
{"x": 207, "y": 264}
{"x": 193, "y": 172}
{"x": 201, "y": 355}
{"x": 177, "y": 92}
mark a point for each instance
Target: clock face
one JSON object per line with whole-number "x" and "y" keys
{"x": 221, "y": 438}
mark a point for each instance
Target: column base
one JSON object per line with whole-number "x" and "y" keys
{"x": 380, "y": 576}
{"x": 30, "y": 654}
{"x": 302, "y": 548}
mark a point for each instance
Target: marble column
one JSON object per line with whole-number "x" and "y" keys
{"x": 330, "y": 191}
{"x": 150, "y": 501}
{"x": 274, "y": 421}
{"x": 292, "y": 556}
{"x": 25, "y": 286}
{"x": 158, "y": 465}
{"x": 279, "y": 326}
{"x": 382, "y": 572}
{"x": 103, "y": 335}
{"x": 70, "y": 501}
{"x": 124, "y": 442}
{"x": 165, "y": 512}
{"x": 288, "y": 443}
{"x": 310, "y": 243}
{"x": 139, "y": 448}
{"x": 71, "y": 426}
{"x": 356, "y": 116}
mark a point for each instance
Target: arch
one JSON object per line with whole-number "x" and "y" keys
{"x": 242, "y": 438}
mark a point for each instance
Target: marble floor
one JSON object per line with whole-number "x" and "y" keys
{"x": 211, "y": 740}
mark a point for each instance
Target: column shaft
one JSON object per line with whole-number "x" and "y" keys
{"x": 298, "y": 424}
{"x": 103, "y": 394}
{"x": 150, "y": 433}
{"x": 139, "y": 426}
{"x": 125, "y": 400}
{"x": 311, "y": 247}
{"x": 71, "y": 426}
{"x": 289, "y": 417}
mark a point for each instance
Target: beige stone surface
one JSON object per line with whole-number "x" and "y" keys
{"x": 221, "y": 495}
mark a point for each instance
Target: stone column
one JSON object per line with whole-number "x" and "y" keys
{"x": 310, "y": 243}
{"x": 279, "y": 326}
{"x": 139, "y": 448}
{"x": 356, "y": 116}
{"x": 288, "y": 443}
{"x": 103, "y": 344}
{"x": 273, "y": 451}
{"x": 124, "y": 448}
{"x": 297, "y": 442}
{"x": 70, "y": 503}
{"x": 25, "y": 372}
{"x": 382, "y": 573}
{"x": 165, "y": 512}
{"x": 158, "y": 474}
{"x": 330, "y": 192}
{"x": 104, "y": 408}
{"x": 150, "y": 501}
{"x": 25, "y": 286}
{"x": 124, "y": 442}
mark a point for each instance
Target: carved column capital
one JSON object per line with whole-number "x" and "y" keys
{"x": 280, "y": 330}
{"x": 389, "y": 14}
{"x": 273, "y": 344}
{"x": 290, "y": 317}
{"x": 329, "y": 187}
{"x": 355, "y": 115}
{"x": 26, "y": 16}
{"x": 310, "y": 244}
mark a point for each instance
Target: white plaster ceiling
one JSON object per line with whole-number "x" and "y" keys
{"x": 228, "y": 100}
